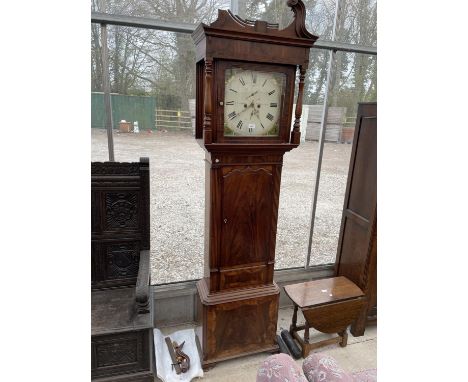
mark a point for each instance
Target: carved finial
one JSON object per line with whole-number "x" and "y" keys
{"x": 298, "y": 7}
{"x": 228, "y": 22}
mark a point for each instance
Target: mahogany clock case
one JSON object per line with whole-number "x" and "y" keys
{"x": 220, "y": 68}
{"x": 238, "y": 299}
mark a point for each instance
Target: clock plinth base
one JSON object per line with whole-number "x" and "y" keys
{"x": 237, "y": 323}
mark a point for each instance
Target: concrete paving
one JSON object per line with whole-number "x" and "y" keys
{"x": 359, "y": 354}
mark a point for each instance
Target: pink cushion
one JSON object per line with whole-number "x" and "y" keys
{"x": 280, "y": 368}
{"x": 320, "y": 367}
{"x": 365, "y": 376}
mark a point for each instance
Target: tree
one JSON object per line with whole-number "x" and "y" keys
{"x": 128, "y": 66}
{"x": 160, "y": 63}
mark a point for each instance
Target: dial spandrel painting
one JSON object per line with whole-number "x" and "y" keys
{"x": 252, "y": 102}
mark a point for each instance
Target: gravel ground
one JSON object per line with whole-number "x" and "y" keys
{"x": 177, "y": 200}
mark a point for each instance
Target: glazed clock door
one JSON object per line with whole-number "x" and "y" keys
{"x": 246, "y": 216}
{"x": 254, "y": 102}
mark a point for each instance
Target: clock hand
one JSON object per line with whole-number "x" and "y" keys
{"x": 243, "y": 110}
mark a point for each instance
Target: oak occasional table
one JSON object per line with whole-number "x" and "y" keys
{"x": 328, "y": 305}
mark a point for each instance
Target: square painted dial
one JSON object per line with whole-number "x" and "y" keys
{"x": 252, "y": 102}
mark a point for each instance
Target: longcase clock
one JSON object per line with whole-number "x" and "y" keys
{"x": 246, "y": 75}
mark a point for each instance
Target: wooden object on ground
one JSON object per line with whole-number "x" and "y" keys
{"x": 245, "y": 143}
{"x": 125, "y": 127}
{"x": 121, "y": 300}
{"x": 357, "y": 246}
{"x": 328, "y": 305}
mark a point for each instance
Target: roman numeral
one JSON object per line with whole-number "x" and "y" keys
{"x": 239, "y": 125}
{"x": 232, "y": 115}
{"x": 230, "y": 103}
{"x": 264, "y": 83}
{"x": 254, "y": 78}
{"x": 242, "y": 81}
{"x": 262, "y": 125}
{"x": 273, "y": 104}
{"x": 250, "y": 129}
{"x": 235, "y": 91}
{"x": 270, "y": 117}
{"x": 270, "y": 93}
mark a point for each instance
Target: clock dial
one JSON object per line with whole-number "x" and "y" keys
{"x": 252, "y": 102}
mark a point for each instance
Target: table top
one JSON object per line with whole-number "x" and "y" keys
{"x": 319, "y": 292}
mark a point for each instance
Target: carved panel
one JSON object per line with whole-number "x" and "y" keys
{"x": 115, "y": 353}
{"x": 122, "y": 260}
{"x": 121, "y": 210}
{"x": 123, "y": 353}
{"x": 94, "y": 263}
{"x": 95, "y": 215}
{"x": 115, "y": 168}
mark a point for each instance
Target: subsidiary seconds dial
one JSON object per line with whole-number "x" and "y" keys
{"x": 252, "y": 102}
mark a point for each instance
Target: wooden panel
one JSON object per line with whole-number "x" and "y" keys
{"x": 120, "y": 222}
{"x": 120, "y": 353}
{"x": 244, "y": 277}
{"x": 360, "y": 199}
{"x": 323, "y": 291}
{"x": 95, "y": 247}
{"x": 371, "y": 285}
{"x": 115, "y": 262}
{"x": 121, "y": 210}
{"x": 333, "y": 318}
{"x": 354, "y": 250}
{"x": 363, "y": 186}
{"x": 122, "y": 260}
{"x": 241, "y": 327}
{"x": 357, "y": 247}
{"x": 96, "y": 216}
{"x": 246, "y": 215}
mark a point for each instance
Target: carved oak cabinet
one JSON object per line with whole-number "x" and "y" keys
{"x": 121, "y": 297}
{"x": 246, "y": 72}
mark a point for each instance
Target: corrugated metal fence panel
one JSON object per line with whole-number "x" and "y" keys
{"x": 130, "y": 108}
{"x": 98, "y": 116}
{"x": 335, "y": 119}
